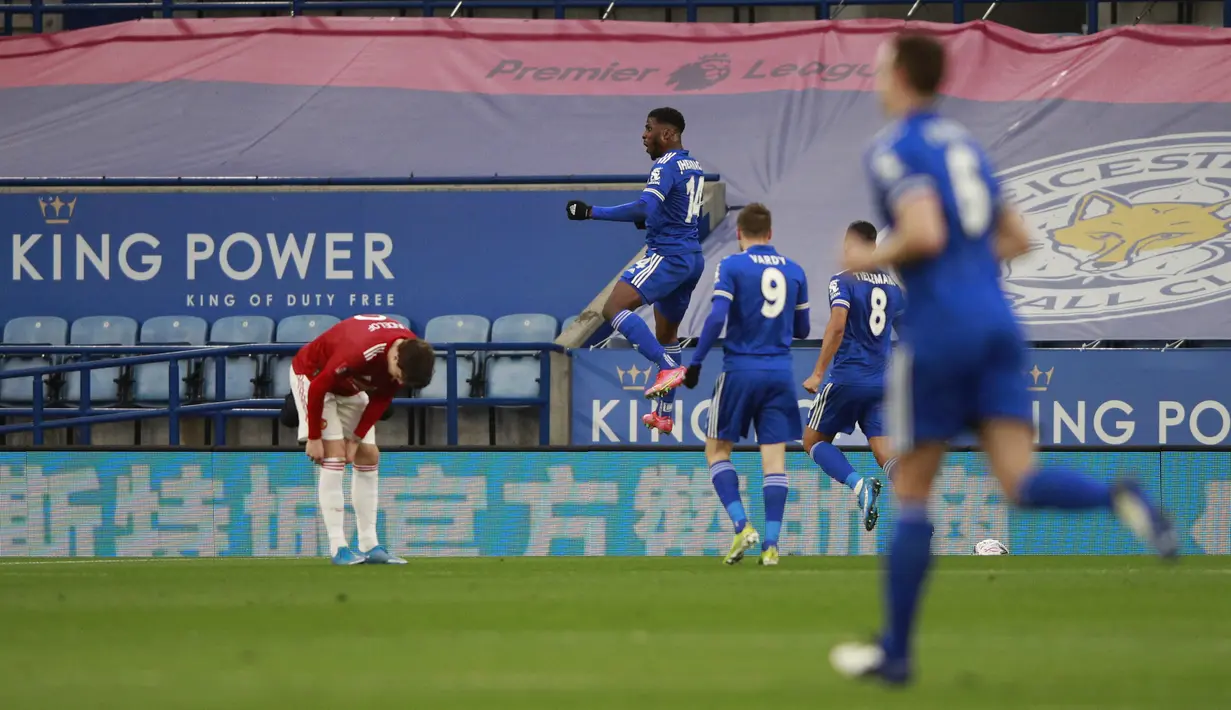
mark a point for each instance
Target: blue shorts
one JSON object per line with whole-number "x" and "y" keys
{"x": 765, "y": 398}
{"x": 938, "y": 391}
{"x": 667, "y": 282}
{"x": 839, "y": 407}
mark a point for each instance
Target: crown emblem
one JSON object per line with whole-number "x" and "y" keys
{"x": 634, "y": 378}
{"x": 720, "y": 57}
{"x": 1035, "y": 373}
{"x": 55, "y": 210}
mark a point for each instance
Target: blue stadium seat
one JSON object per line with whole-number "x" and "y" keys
{"x": 303, "y": 329}
{"x": 294, "y": 329}
{"x": 454, "y": 329}
{"x": 513, "y": 374}
{"x": 104, "y": 382}
{"x": 150, "y": 383}
{"x": 238, "y": 330}
{"x": 174, "y": 330}
{"x": 403, "y": 320}
{"x": 524, "y": 328}
{"x": 29, "y": 330}
{"x": 458, "y": 329}
{"x": 567, "y": 322}
{"x": 242, "y": 371}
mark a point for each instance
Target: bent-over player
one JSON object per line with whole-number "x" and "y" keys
{"x": 342, "y": 383}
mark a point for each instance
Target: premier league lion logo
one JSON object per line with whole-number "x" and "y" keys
{"x": 701, "y": 74}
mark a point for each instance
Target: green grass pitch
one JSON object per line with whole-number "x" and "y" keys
{"x": 680, "y": 633}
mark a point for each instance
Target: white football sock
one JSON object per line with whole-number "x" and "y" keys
{"x": 363, "y": 495}
{"x": 333, "y": 503}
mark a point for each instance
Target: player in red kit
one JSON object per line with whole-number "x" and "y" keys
{"x": 342, "y": 383}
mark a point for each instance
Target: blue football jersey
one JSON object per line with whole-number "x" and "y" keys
{"x": 873, "y": 302}
{"x": 766, "y": 289}
{"x": 957, "y": 292}
{"x": 677, "y": 182}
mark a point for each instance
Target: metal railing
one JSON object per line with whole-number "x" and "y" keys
{"x": 825, "y": 9}
{"x": 83, "y": 414}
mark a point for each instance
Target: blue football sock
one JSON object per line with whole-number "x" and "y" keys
{"x": 642, "y": 338}
{"x": 890, "y": 466}
{"x": 666, "y": 403}
{"x": 775, "y": 490}
{"x": 910, "y": 555}
{"x": 833, "y": 462}
{"x": 726, "y": 484}
{"x": 1064, "y": 489}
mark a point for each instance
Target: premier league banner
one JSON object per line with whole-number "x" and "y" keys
{"x": 1094, "y": 398}
{"x": 617, "y": 503}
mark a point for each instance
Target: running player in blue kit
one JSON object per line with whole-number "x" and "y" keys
{"x": 762, "y": 298}
{"x": 863, "y": 308}
{"x": 960, "y": 360}
{"x": 669, "y": 207}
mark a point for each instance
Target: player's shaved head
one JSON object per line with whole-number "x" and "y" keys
{"x": 663, "y": 128}
{"x": 668, "y": 117}
{"x": 754, "y": 222}
{"x": 863, "y": 230}
{"x": 416, "y": 362}
{"x": 920, "y": 61}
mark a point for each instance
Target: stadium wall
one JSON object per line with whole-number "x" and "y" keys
{"x": 1089, "y": 398}
{"x": 150, "y": 503}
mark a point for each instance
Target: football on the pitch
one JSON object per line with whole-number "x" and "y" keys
{"x": 990, "y": 547}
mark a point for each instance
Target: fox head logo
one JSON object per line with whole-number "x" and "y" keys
{"x": 1109, "y": 233}
{"x": 1138, "y": 229}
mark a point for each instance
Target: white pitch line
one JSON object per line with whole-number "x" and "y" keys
{"x": 95, "y": 562}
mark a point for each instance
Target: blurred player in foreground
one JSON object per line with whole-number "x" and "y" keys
{"x": 762, "y": 298}
{"x": 863, "y": 307}
{"x": 342, "y": 383}
{"x": 961, "y": 354}
{"x": 669, "y": 207}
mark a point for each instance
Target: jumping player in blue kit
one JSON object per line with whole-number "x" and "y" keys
{"x": 863, "y": 308}
{"x": 961, "y": 355}
{"x": 669, "y": 208}
{"x": 762, "y": 298}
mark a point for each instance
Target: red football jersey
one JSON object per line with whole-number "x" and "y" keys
{"x": 349, "y": 358}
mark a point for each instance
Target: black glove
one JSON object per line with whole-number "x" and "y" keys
{"x": 691, "y": 376}
{"x": 640, "y": 225}
{"x": 578, "y": 210}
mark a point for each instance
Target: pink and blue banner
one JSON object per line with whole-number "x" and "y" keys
{"x": 1116, "y": 145}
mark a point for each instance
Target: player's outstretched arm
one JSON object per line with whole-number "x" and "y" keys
{"x": 638, "y": 211}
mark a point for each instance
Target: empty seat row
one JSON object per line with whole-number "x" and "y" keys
{"x": 501, "y": 374}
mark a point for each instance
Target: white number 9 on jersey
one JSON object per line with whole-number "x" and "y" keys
{"x": 773, "y": 288}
